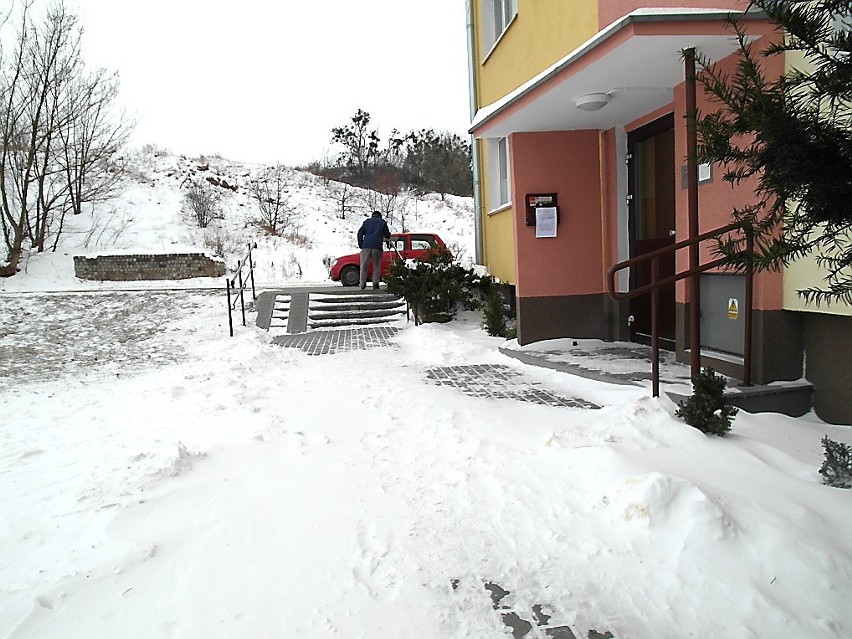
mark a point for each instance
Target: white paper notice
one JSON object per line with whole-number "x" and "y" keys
{"x": 545, "y": 221}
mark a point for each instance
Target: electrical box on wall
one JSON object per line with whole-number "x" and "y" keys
{"x": 540, "y": 200}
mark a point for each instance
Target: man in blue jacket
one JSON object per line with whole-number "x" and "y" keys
{"x": 371, "y": 236}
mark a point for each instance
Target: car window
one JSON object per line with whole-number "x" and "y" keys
{"x": 397, "y": 242}
{"x": 423, "y": 242}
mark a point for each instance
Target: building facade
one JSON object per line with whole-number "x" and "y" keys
{"x": 581, "y": 107}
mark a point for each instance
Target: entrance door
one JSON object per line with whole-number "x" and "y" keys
{"x": 651, "y": 210}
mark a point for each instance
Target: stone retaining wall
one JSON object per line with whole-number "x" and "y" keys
{"x": 166, "y": 266}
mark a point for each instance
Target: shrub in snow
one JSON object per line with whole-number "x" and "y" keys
{"x": 272, "y": 191}
{"x": 836, "y": 470}
{"x": 707, "y": 409}
{"x": 204, "y": 202}
{"x": 434, "y": 287}
{"x": 494, "y": 311}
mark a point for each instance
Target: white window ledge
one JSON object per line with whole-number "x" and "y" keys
{"x": 499, "y": 38}
{"x": 500, "y": 209}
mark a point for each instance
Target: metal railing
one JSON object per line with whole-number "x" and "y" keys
{"x": 653, "y": 287}
{"x": 401, "y": 259}
{"x": 237, "y": 291}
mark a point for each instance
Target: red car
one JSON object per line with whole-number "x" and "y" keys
{"x": 407, "y": 246}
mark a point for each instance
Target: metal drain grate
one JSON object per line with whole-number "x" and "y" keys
{"x": 497, "y": 381}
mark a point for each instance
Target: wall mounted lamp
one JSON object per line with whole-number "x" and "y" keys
{"x": 592, "y": 101}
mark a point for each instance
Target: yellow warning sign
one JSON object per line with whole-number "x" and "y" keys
{"x": 733, "y": 308}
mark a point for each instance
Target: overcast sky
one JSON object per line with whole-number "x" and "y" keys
{"x": 265, "y": 81}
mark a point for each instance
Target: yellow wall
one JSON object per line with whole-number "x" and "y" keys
{"x": 497, "y": 229}
{"x": 543, "y": 32}
{"x": 499, "y": 245}
{"x": 806, "y": 273}
{"x": 803, "y": 274}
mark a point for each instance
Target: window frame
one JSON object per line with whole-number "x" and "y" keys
{"x": 499, "y": 174}
{"x": 429, "y": 240}
{"x": 498, "y": 15}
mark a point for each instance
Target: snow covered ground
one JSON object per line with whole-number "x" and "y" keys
{"x": 160, "y": 479}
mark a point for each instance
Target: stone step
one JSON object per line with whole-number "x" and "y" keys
{"x": 329, "y": 306}
{"x": 359, "y": 295}
{"x": 355, "y": 314}
{"x": 299, "y": 310}
{"x": 349, "y": 322}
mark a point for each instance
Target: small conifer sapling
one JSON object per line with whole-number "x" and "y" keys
{"x": 836, "y": 469}
{"x": 707, "y": 409}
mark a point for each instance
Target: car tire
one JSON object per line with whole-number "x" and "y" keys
{"x": 350, "y": 276}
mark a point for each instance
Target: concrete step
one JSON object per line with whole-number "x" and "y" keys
{"x": 322, "y": 305}
{"x": 355, "y": 314}
{"x": 358, "y": 297}
{"x": 355, "y": 308}
{"x": 299, "y": 309}
{"x": 332, "y": 323}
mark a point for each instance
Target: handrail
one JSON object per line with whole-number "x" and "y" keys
{"x": 230, "y": 285}
{"x": 399, "y": 256}
{"x": 656, "y": 283}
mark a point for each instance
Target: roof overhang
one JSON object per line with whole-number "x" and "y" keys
{"x": 636, "y": 62}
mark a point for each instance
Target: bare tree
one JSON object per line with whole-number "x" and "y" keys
{"x": 271, "y": 193}
{"x": 58, "y": 132}
{"x": 91, "y": 139}
{"x": 385, "y": 197}
{"x": 325, "y": 167}
{"x": 26, "y": 92}
{"x": 204, "y": 202}
{"x": 342, "y": 194}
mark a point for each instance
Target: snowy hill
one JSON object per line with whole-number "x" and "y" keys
{"x": 150, "y": 216}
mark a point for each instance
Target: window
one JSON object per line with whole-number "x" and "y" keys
{"x": 497, "y": 16}
{"x": 423, "y": 242}
{"x": 498, "y": 173}
{"x": 504, "y": 11}
{"x": 503, "y": 168}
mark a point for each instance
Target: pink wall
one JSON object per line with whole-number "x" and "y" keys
{"x": 610, "y": 158}
{"x": 716, "y": 200}
{"x": 611, "y": 10}
{"x": 566, "y": 163}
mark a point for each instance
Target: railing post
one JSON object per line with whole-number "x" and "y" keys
{"x": 655, "y": 329}
{"x": 230, "y": 319}
{"x": 242, "y": 288}
{"x": 749, "y": 300}
{"x": 693, "y": 290}
{"x": 251, "y": 271}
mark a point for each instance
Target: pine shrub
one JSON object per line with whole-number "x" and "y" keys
{"x": 495, "y": 317}
{"x": 836, "y": 470}
{"x": 707, "y": 409}
{"x": 434, "y": 287}
{"x": 492, "y": 311}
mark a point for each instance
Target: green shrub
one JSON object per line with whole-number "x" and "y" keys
{"x": 707, "y": 409}
{"x": 836, "y": 469}
{"x": 494, "y": 310}
{"x": 494, "y": 315}
{"x": 434, "y": 287}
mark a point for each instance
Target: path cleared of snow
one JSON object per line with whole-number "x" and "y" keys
{"x": 158, "y": 478}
